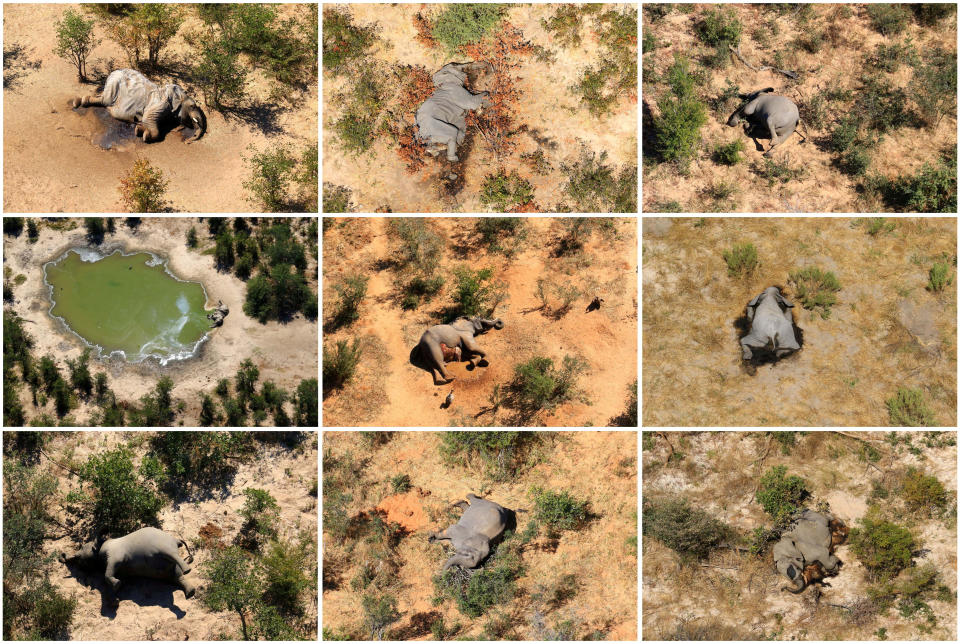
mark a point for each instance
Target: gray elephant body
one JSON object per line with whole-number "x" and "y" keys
{"x": 768, "y": 113}
{"x": 442, "y": 117}
{"x": 459, "y": 334}
{"x": 482, "y": 522}
{"x": 809, "y": 541}
{"x": 130, "y": 96}
{"x": 771, "y": 327}
{"x": 148, "y": 552}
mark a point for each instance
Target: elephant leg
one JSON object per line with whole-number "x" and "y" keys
{"x": 452, "y": 150}
{"x": 747, "y": 342}
{"x": 179, "y": 563}
{"x": 436, "y": 360}
{"x": 474, "y": 350}
{"x": 188, "y": 588}
{"x": 88, "y": 101}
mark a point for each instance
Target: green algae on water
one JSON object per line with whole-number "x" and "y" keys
{"x": 127, "y": 304}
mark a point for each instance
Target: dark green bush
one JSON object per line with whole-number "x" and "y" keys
{"x": 934, "y": 85}
{"x": 473, "y": 295}
{"x": 494, "y": 583}
{"x": 465, "y": 23}
{"x": 777, "y": 171}
{"x": 884, "y": 548}
{"x": 940, "y": 277}
{"x": 506, "y": 192}
{"x": 400, "y": 483}
{"x": 888, "y": 19}
{"x": 219, "y": 72}
{"x": 741, "y": 260}
{"x": 352, "y": 289}
{"x": 929, "y": 14}
{"x": 379, "y": 611}
{"x": 500, "y": 452}
{"x": 123, "y": 500}
{"x": 728, "y": 154}
{"x": 558, "y": 510}
{"x": 882, "y": 106}
{"x": 781, "y": 495}
{"x": 691, "y": 532}
{"x": 594, "y": 186}
{"x": 537, "y": 384}
{"x": 719, "y": 29}
{"x": 270, "y": 624}
{"x": 270, "y": 174}
{"x": 80, "y": 378}
{"x": 305, "y": 403}
{"x": 816, "y": 288}
{"x": 340, "y": 364}
{"x": 855, "y": 162}
{"x": 233, "y": 584}
{"x": 889, "y": 58}
{"x": 343, "y": 41}
{"x": 933, "y": 189}
{"x": 677, "y": 129}
{"x": 261, "y": 514}
{"x": 908, "y": 409}
{"x": 924, "y": 493}
{"x": 39, "y": 611}
{"x": 203, "y": 459}
{"x": 494, "y": 231}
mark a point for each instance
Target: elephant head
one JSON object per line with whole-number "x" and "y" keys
{"x": 88, "y": 556}
{"x": 738, "y": 116}
{"x": 193, "y": 117}
{"x": 799, "y": 581}
{"x": 482, "y": 325}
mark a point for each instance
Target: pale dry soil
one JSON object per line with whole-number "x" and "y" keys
{"x": 886, "y": 331}
{"x": 379, "y": 178}
{"x": 824, "y": 188}
{"x": 53, "y": 164}
{"x": 389, "y": 391}
{"x": 152, "y": 610}
{"x": 284, "y": 353}
{"x": 599, "y": 467}
{"x": 719, "y": 473}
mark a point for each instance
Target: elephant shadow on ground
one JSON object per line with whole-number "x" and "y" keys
{"x": 760, "y": 356}
{"x": 142, "y": 591}
{"x": 418, "y": 361}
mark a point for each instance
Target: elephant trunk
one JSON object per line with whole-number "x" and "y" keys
{"x": 734, "y": 118}
{"x": 498, "y": 324}
{"x": 197, "y": 120}
{"x": 799, "y": 584}
{"x": 62, "y": 558}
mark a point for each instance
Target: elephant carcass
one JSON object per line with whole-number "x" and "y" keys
{"x": 218, "y": 314}
{"x": 482, "y": 522}
{"x": 769, "y": 116}
{"x": 771, "y": 326}
{"x": 148, "y": 552}
{"x": 441, "y": 119}
{"x": 130, "y": 96}
{"x": 810, "y": 541}
{"x": 458, "y": 334}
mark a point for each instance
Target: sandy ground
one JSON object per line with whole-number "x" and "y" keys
{"x": 886, "y": 330}
{"x": 719, "y": 472}
{"x": 389, "y": 391}
{"x": 153, "y": 610}
{"x": 824, "y": 188}
{"x": 52, "y": 165}
{"x": 284, "y": 353}
{"x": 379, "y": 178}
{"x": 590, "y": 465}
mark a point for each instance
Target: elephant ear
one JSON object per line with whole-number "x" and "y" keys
{"x": 754, "y": 301}
{"x": 783, "y": 300}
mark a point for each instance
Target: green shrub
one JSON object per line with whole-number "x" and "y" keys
{"x": 933, "y": 189}
{"x": 781, "y": 495}
{"x": 728, "y": 154}
{"x": 843, "y": 134}
{"x": 908, "y": 409}
{"x": 884, "y": 548}
{"x": 270, "y": 174}
{"x": 286, "y": 567}
{"x": 500, "y": 452}
{"x": 816, "y": 288}
{"x": 352, "y": 289}
{"x": 558, "y": 510}
{"x": 691, "y": 532}
{"x": 888, "y": 19}
{"x": 418, "y": 288}
{"x": 420, "y": 247}
{"x": 219, "y": 72}
{"x": 875, "y": 225}
{"x": 594, "y": 186}
{"x": 677, "y": 129}
{"x": 335, "y": 198}
{"x": 741, "y": 260}
{"x": 400, "y": 483}
{"x": 934, "y": 85}
{"x": 143, "y": 188}
{"x": 566, "y": 23}
{"x": 343, "y": 41}
{"x": 233, "y": 583}
{"x": 882, "y": 106}
{"x": 123, "y": 500}
{"x": 75, "y": 41}
{"x": 40, "y": 612}
{"x": 339, "y": 365}
{"x": 650, "y": 42}
{"x": 940, "y": 277}
{"x": 494, "y": 583}
{"x": 776, "y": 171}
{"x": 924, "y": 493}
{"x": 929, "y": 14}
{"x": 305, "y": 403}
{"x": 270, "y": 624}
{"x": 811, "y": 41}
{"x": 379, "y": 611}
{"x": 494, "y": 231}
{"x": 537, "y": 384}
{"x": 466, "y": 23}
{"x": 721, "y": 30}
{"x": 889, "y": 58}
{"x": 200, "y": 458}
{"x": 473, "y": 295}
{"x": 506, "y": 192}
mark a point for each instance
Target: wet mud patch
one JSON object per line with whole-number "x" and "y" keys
{"x": 104, "y": 131}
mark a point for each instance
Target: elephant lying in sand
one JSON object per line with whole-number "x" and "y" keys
{"x": 771, "y": 328}
{"x": 481, "y": 523}
{"x": 769, "y": 116}
{"x": 148, "y": 552}
{"x": 457, "y": 335}
{"x": 129, "y": 96}
{"x": 805, "y": 553}
{"x": 442, "y": 117}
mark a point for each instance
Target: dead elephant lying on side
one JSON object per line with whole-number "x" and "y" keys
{"x": 442, "y": 117}
{"x": 805, "y": 553}
{"x": 771, "y": 327}
{"x": 482, "y": 524}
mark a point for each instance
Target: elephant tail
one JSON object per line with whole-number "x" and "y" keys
{"x": 183, "y": 542}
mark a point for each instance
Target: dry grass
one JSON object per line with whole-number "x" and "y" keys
{"x": 849, "y": 364}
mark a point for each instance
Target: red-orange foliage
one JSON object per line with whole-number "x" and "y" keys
{"x": 410, "y": 149}
{"x": 530, "y": 206}
{"x": 417, "y": 87}
{"x": 424, "y": 32}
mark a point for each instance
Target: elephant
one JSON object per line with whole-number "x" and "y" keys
{"x": 769, "y": 116}
{"x": 450, "y": 354}
{"x": 812, "y": 540}
{"x": 482, "y": 522}
{"x": 458, "y": 334}
{"x": 129, "y": 96}
{"x": 148, "y": 552}
{"x": 771, "y": 328}
{"x": 218, "y": 314}
{"x": 442, "y": 117}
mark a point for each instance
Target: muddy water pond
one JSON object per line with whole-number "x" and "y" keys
{"x": 130, "y": 305}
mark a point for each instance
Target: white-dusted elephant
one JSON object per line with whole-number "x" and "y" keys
{"x": 130, "y": 96}
{"x": 771, "y": 325}
{"x": 442, "y": 117}
{"x": 482, "y": 522}
{"x": 806, "y": 551}
{"x": 148, "y": 552}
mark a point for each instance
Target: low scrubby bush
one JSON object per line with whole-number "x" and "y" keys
{"x": 340, "y": 364}
{"x": 379, "y": 611}
{"x": 343, "y": 41}
{"x": 719, "y": 29}
{"x": 558, "y": 510}
{"x": 123, "y": 500}
{"x": 940, "y": 277}
{"x": 889, "y": 19}
{"x": 506, "y": 192}
{"x": 143, "y": 188}
{"x": 741, "y": 260}
{"x": 595, "y": 186}
{"x": 200, "y": 458}
{"x": 908, "y": 409}
{"x": 924, "y": 493}
{"x": 884, "y": 548}
{"x": 352, "y": 289}
{"x": 677, "y": 129}
{"x": 780, "y": 495}
{"x": 465, "y": 23}
{"x": 728, "y": 154}
{"x": 815, "y": 288}
{"x": 500, "y": 452}
{"x": 538, "y": 384}
{"x": 495, "y": 231}
{"x": 690, "y": 532}
{"x": 932, "y": 189}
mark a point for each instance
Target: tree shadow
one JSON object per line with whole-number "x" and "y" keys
{"x": 261, "y": 115}
{"x": 17, "y": 64}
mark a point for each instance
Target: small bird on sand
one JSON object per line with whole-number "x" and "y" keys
{"x": 449, "y": 400}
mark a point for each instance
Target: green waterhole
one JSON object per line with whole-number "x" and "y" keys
{"x": 127, "y": 304}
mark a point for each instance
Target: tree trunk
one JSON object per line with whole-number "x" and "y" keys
{"x": 243, "y": 625}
